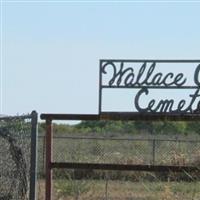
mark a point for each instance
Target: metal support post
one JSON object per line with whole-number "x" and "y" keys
{"x": 33, "y": 171}
{"x": 48, "y": 159}
{"x": 153, "y": 151}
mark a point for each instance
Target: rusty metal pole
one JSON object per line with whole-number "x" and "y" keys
{"x": 34, "y": 138}
{"x": 48, "y": 159}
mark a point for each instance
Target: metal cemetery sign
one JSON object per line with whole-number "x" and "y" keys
{"x": 152, "y": 86}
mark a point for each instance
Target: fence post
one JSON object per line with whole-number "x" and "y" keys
{"x": 48, "y": 159}
{"x": 44, "y": 153}
{"x": 153, "y": 151}
{"x": 33, "y": 170}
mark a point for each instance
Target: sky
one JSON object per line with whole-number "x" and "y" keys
{"x": 50, "y": 50}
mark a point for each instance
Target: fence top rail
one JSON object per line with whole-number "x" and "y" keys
{"x": 26, "y": 116}
{"x": 69, "y": 116}
{"x": 124, "y": 116}
{"x": 16, "y": 117}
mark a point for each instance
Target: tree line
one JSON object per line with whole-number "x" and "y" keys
{"x": 129, "y": 127}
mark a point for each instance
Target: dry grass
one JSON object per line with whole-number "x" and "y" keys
{"x": 126, "y": 190}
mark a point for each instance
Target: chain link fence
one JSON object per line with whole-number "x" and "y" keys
{"x": 126, "y": 151}
{"x": 78, "y": 184}
{"x": 17, "y": 157}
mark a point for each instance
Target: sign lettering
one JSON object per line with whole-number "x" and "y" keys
{"x": 146, "y": 76}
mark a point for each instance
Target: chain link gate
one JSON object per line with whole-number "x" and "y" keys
{"x": 84, "y": 164}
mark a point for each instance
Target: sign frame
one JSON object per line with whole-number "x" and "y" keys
{"x": 132, "y": 115}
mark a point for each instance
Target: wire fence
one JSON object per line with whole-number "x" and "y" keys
{"x": 126, "y": 185}
{"x": 123, "y": 150}
{"x": 17, "y": 157}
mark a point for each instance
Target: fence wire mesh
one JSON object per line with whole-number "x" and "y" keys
{"x": 79, "y": 184}
{"x": 126, "y": 151}
{"x": 15, "y": 157}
